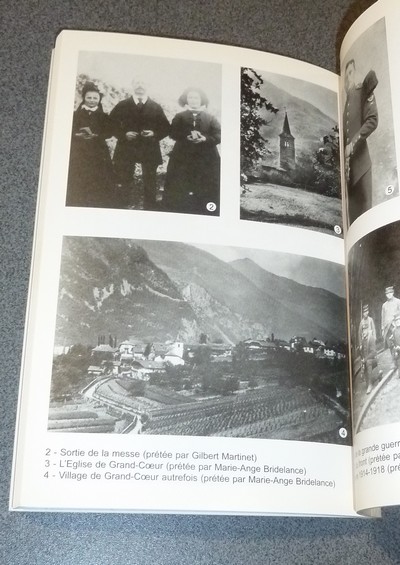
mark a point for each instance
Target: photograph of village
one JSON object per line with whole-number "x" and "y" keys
{"x": 167, "y": 338}
{"x": 290, "y": 158}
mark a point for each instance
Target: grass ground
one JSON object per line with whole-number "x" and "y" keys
{"x": 291, "y": 206}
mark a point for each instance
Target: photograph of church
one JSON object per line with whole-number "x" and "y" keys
{"x": 290, "y": 170}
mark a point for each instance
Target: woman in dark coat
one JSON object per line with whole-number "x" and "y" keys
{"x": 90, "y": 176}
{"x": 193, "y": 175}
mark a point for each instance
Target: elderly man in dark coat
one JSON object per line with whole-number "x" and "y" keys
{"x": 139, "y": 124}
{"x": 359, "y": 121}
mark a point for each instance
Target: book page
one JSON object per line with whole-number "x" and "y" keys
{"x": 370, "y": 103}
{"x": 186, "y": 340}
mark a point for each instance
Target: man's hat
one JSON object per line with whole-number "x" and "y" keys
{"x": 365, "y": 308}
{"x": 389, "y": 289}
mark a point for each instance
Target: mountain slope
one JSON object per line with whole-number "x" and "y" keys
{"x": 111, "y": 286}
{"x": 158, "y": 291}
{"x": 309, "y": 311}
{"x": 307, "y": 123}
{"x": 321, "y": 307}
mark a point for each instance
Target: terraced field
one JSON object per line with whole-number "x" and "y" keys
{"x": 268, "y": 412}
{"x": 274, "y": 410}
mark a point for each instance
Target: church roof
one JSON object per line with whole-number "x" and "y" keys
{"x": 286, "y": 127}
{"x": 104, "y": 348}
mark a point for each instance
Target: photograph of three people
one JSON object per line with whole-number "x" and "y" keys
{"x": 145, "y": 135}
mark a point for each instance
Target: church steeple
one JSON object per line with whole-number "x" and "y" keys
{"x": 287, "y": 148}
{"x": 286, "y": 127}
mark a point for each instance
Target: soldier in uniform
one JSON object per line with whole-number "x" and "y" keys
{"x": 390, "y": 309}
{"x": 395, "y": 342}
{"x": 367, "y": 346}
{"x": 139, "y": 124}
{"x": 360, "y": 119}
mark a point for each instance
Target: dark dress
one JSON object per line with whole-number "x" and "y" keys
{"x": 193, "y": 173}
{"x": 90, "y": 175}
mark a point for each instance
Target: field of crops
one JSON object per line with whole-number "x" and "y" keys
{"x": 268, "y": 412}
{"x": 274, "y": 410}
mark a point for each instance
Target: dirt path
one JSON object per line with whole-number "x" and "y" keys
{"x": 384, "y": 407}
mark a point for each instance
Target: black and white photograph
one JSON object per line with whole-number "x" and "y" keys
{"x": 290, "y": 157}
{"x": 167, "y": 338}
{"x": 146, "y": 134}
{"x": 375, "y": 330}
{"x": 368, "y": 138}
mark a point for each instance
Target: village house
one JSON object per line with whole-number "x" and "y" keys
{"x": 94, "y": 371}
{"x": 103, "y": 352}
{"x": 142, "y": 369}
{"x": 174, "y": 355}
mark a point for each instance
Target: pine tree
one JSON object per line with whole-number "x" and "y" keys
{"x": 253, "y": 106}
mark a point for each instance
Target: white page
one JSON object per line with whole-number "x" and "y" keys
{"x": 296, "y": 458}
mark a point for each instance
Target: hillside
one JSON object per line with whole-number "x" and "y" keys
{"x": 158, "y": 291}
{"x": 307, "y": 123}
{"x": 320, "y": 307}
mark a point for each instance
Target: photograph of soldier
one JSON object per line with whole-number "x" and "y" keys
{"x": 139, "y": 124}
{"x": 360, "y": 119}
{"x": 374, "y": 276}
{"x": 368, "y": 138}
{"x": 139, "y": 98}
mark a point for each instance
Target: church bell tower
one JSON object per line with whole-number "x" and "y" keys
{"x": 287, "y": 159}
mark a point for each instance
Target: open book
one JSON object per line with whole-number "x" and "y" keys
{"x": 191, "y": 342}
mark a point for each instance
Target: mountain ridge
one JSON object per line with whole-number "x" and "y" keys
{"x": 158, "y": 291}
